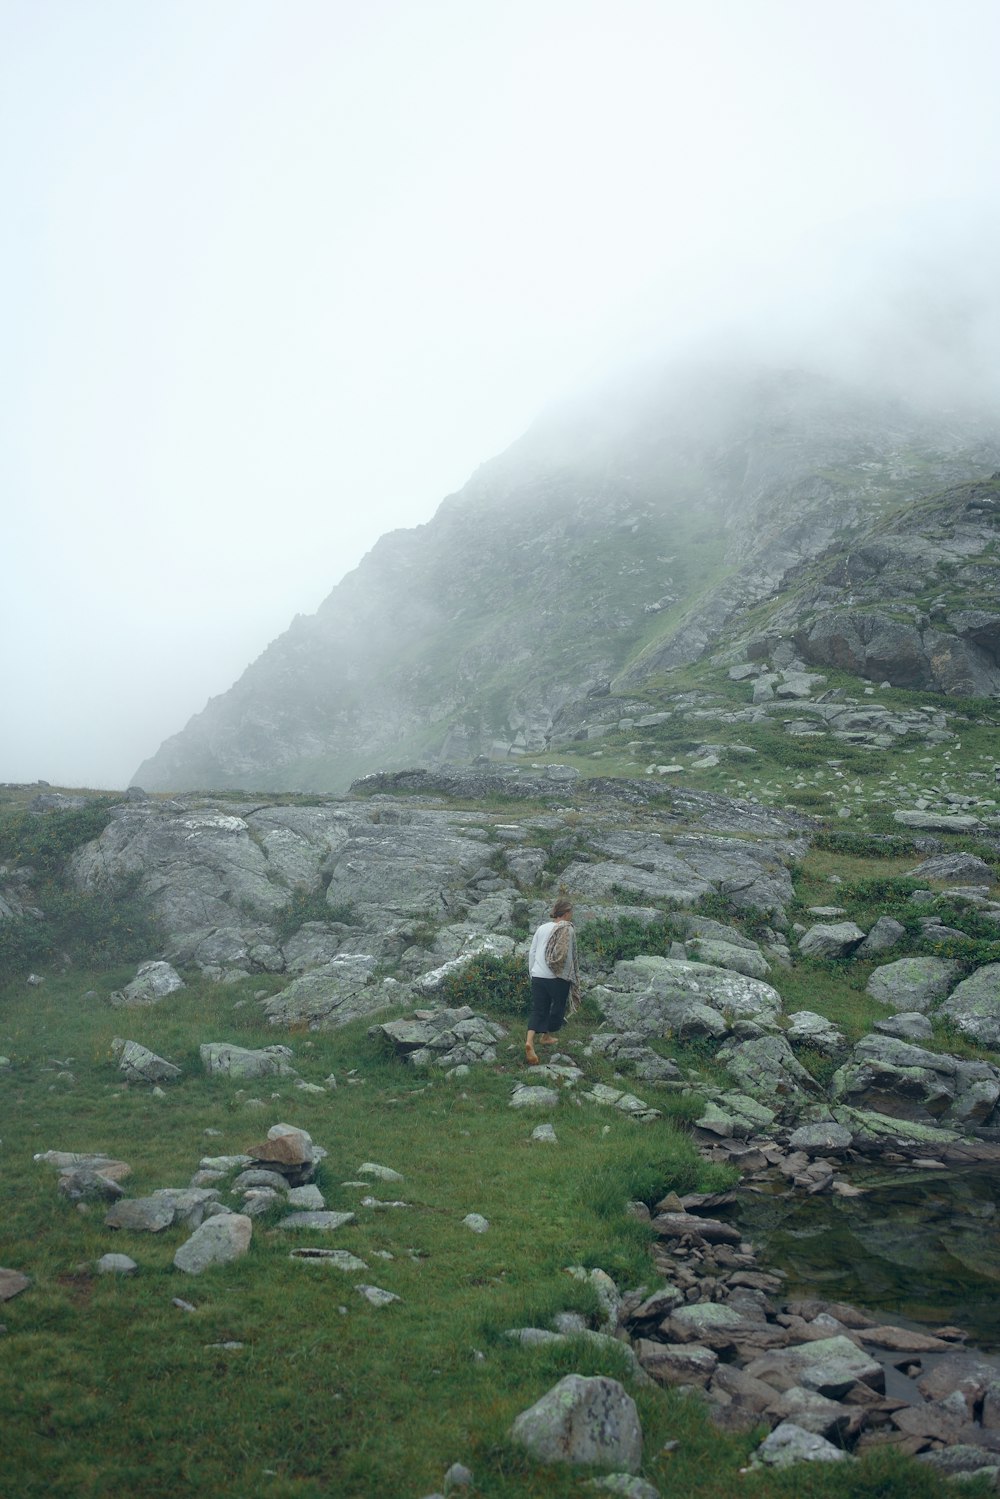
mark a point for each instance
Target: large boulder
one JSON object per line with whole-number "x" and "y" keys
{"x": 583, "y": 1421}
{"x": 342, "y": 990}
{"x": 218, "y": 1241}
{"x": 651, "y": 996}
{"x": 152, "y": 982}
{"x": 973, "y": 1006}
{"x": 913, "y": 984}
{"x": 830, "y": 939}
{"x": 140, "y": 1065}
{"x": 241, "y": 1062}
{"x": 767, "y": 1069}
{"x": 890, "y": 1076}
{"x": 957, "y": 869}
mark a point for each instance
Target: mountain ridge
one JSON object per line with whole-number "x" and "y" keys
{"x": 618, "y": 539}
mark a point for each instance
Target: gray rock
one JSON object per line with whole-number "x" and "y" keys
{"x": 937, "y": 822}
{"x": 152, "y": 982}
{"x": 333, "y": 1259}
{"x": 821, "y": 1139}
{"x": 894, "y": 1077}
{"x": 116, "y": 1264}
{"x": 306, "y": 1199}
{"x": 957, "y": 869}
{"x": 404, "y": 867}
{"x": 203, "y": 867}
{"x": 806, "y": 1028}
{"x": 831, "y": 1366}
{"x": 476, "y": 1222}
{"x": 767, "y": 1069}
{"x": 974, "y": 1006}
{"x": 527, "y": 1097}
{"x": 12, "y": 1283}
{"x": 883, "y": 936}
{"x": 545, "y": 1134}
{"x": 913, "y": 984}
{"x": 907, "y": 1026}
{"x": 150, "y": 1215}
{"x": 239, "y": 1062}
{"x": 789, "y": 1444}
{"x": 727, "y": 955}
{"x": 581, "y": 1420}
{"x": 324, "y": 1221}
{"x": 376, "y": 1295}
{"x": 831, "y": 940}
{"x": 649, "y": 995}
{"x": 81, "y": 1184}
{"x": 342, "y": 990}
{"x": 140, "y": 1065}
{"x": 457, "y": 1477}
{"x": 218, "y": 1241}
{"x": 626, "y": 1485}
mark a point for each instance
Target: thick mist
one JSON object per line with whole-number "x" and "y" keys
{"x": 277, "y": 280}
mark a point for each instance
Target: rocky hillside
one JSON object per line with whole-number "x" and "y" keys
{"x": 619, "y": 539}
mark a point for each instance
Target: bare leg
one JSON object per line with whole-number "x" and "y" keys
{"x": 530, "y": 1055}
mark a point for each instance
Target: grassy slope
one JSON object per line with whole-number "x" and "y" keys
{"x": 109, "y": 1388}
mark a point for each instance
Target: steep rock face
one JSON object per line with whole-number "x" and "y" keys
{"x": 909, "y": 603}
{"x": 615, "y": 539}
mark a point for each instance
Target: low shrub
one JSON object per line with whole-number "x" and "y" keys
{"x": 607, "y": 941}
{"x": 490, "y": 985}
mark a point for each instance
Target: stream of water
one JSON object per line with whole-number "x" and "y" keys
{"x": 922, "y": 1248}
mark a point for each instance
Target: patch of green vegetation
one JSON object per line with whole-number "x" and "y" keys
{"x": 89, "y": 928}
{"x": 309, "y": 903}
{"x": 606, "y": 941}
{"x": 491, "y": 985}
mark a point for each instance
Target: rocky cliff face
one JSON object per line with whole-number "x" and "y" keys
{"x": 617, "y": 539}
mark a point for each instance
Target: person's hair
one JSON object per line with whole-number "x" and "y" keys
{"x": 562, "y": 907}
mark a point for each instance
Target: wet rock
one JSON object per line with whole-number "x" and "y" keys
{"x": 893, "y": 1076}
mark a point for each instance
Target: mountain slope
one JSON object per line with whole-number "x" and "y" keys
{"x": 615, "y": 540}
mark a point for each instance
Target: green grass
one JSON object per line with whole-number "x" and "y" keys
{"x": 109, "y": 1388}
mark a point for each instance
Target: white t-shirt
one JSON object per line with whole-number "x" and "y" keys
{"x": 537, "y": 966}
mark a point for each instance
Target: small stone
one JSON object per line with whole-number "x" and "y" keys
{"x": 116, "y": 1264}
{"x": 376, "y": 1295}
{"x": 476, "y": 1222}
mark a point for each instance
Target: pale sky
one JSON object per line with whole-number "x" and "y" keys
{"x": 277, "y": 275}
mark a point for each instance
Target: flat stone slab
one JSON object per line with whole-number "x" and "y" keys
{"x": 333, "y": 1259}
{"x": 325, "y": 1221}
